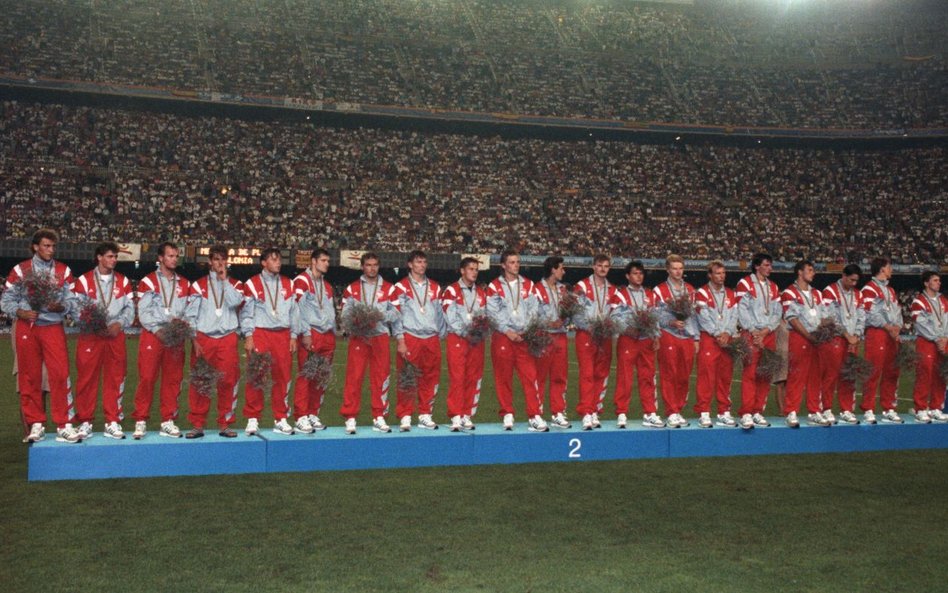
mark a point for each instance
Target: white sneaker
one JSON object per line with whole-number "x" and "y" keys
{"x": 85, "y": 430}
{"x": 37, "y": 433}
{"x": 792, "y": 421}
{"x": 379, "y": 425}
{"x": 817, "y": 419}
{"x": 653, "y": 420}
{"x": 828, "y": 416}
{"x": 350, "y": 425}
{"x": 304, "y": 426}
{"x": 405, "y": 424}
{"x": 726, "y": 419}
{"x": 508, "y": 421}
{"x": 760, "y": 421}
{"x": 113, "y": 430}
{"x": 168, "y": 429}
{"x": 560, "y": 421}
{"x": 747, "y": 422}
{"x": 455, "y": 424}
{"x": 67, "y": 434}
{"x": 425, "y": 421}
{"x": 140, "y": 430}
{"x": 938, "y": 416}
{"x": 315, "y": 423}
{"x": 869, "y": 417}
{"x": 705, "y": 420}
{"x": 253, "y": 427}
{"x": 588, "y": 422}
{"x": 922, "y": 417}
{"x": 281, "y": 426}
{"x": 847, "y": 417}
{"x": 537, "y": 424}
{"x": 677, "y": 421}
{"x": 596, "y": 422}
{"x": 892, "y": 417}
{"x": 467, "y": 423}
{"x": 622, "y": 421}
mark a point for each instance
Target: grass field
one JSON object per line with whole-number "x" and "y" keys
{"x": 853, "y": 522}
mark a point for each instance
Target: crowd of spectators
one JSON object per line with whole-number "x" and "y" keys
{"x": 845, "y": 64}
{"x": 133, "y": 176}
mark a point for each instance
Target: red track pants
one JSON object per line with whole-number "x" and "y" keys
{"x": 635, "y": 356}
{"x": 308, "y": 396}
{"x": 552, "y": 370}
{"x": 97, "y": 357}
{"x": 676, "y": 357}
{"x": 507, "y": 355}
{"x": 594, "y": 360}
{"x": 880, "y": 351}
{"x": 929, "y": 392}
{"x": 832, "y": 356}
{"x": 465, "y": 371}
{"x": 221, "y": 353}
{"x": 277, "y": 343}
{"x": 37, "y": 345}
{"x": 376, "y": 354}
{"x": 153, "y": 357}
{"x": 715, "y": 370}
{"x": 424, "y": 353}
{"x": 754, "y": 390}
{"x": 803, "y": 372}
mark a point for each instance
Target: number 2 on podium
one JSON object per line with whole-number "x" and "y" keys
{"x": 575, "y": 445}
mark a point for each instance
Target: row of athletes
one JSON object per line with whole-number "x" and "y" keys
{"x": 284, "y": 316}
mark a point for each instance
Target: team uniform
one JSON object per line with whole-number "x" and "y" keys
{"x": 676, "y": 354}
{"x": 758, "y": 308}
{"x": 213, "y": 311}
{"x": 159, "y": 301}
{"x": 882, "y": 308}
{"x": 803, "y": 364}
{"x": 512, "y": 305}
{"x": 42, "y": 342}
{"x": 460, "y": 303}
{"x": 931, "y": 325}
{"x": 372, "y": 351}
{"x": 594, "y": 357}
{"x": 717, "y": 315}
{"x": 845, "y": 307}
{"x": 271, "y": 316}
{"x": 421, "y": 325}
{"x": 103, "y": 356}
{"x": 635, "y": 355}
{"x": 318, "y": 320}
{"x": 553, "y": 366}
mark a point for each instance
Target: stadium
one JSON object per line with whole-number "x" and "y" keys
{"x": 713, "y": 129}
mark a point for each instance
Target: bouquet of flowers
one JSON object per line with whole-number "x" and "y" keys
{"x": 827, "y": 330}
{"x": 855, "y": 369}
{"x": 906, "y": 358}
{"x": 536, "y": 337}
{"x": 569, "y": 305}
{"x": 258, "y": 371}
{"x": 360, "y": 320}
{"x": 739, "y": 349}
{"x": 770, "y": 365}
{"x": 93, "y": 320}
{"x": 204, "y": 377}
{"x": 603, "y": 329}
{"x": 408, "y": 377}
{"x": 176, "y": 333}
{"x": 643, "y": 323}
{"x": 481, "y": 327}
{"x": 41, "y": 290}
{"x": 681, "y": 307}
{"x": 317, "y": 369}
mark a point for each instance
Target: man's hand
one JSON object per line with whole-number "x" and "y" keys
{"x": 513, "y": 336}
{"x": 115, "y": 329}
{"x": 56, "y": 308}
{"x": 196, "y": 349}
{"x": 555, "y": 324}
{"x": 656, "y": 344}
{"x": 248, "y": 344}
{"x": 307, "y": 342}
{"x": 293, "y": 346}
{"x": 27, "y": 315}
{"x": 402, "y": 348}
{"x": 678, "y": 324}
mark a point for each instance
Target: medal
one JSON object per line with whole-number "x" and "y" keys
{"x": 218, "y": 312}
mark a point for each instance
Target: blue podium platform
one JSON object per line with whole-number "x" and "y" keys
{"x": 332, "y": 449}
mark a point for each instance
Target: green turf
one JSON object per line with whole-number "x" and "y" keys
{"x": 854, "y": 522}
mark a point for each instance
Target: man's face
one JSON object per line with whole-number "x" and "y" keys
{"x": 218, "y": 264}
{"x": 107, "y": 261}
{"x": 558, "y": 273}
{"x": 717, "y": 275}
{"x": 601, "y": 268}
{"x": 511, "y": 265}
{"x": 886, "y": 272}
{"x": 849, "y": 282}
{"x": 765, "y": 268}
{"x": 272, "y": 263}
{"x": 45, "y": 249}
{"x": 169, "y": 259}
{"x": 418, "y": 266}
{"x": 934, "y": 284}
{"x": 321, "y": 263}
{"x": 635, "y": 277}
{"x": 370, "y": 269}
{"x": 676, "y": 271}
{"x": 807, "y": 274}
{"x": 469, "y": 273}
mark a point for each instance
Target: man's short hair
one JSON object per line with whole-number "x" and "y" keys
{"x": 105, "y": 247}
{"x": 760, "y": 258}
{"x": 266, "y": 253}
{"x": 851, "y": 269}
{"x": 416, "y": 254}
{"x": 507, "y": 254}
{"x": 634, "y": 265}
{"x": 45, "y": 234}
{"x": 318, "y": 252}
{"x": 368, "y": 256}
{"x": 466, "y": 261}
{"x": 715, "y": 264}
{"x": 601, "y": 257}
{"x": 927, "y": 275}
{"x": 218, "y": 250}
{"x": 550, "y": 264}
{"x": 165, "y": 246}
{"x": 674, "y": 258}
{"x": 801, "y": 265}
{"x": 877, "y": 263}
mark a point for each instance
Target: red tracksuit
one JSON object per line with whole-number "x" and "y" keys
{"x": 422, "y": 334}
{"x": 307, "y": 396}
{"x": 594, "y": 357}
{"x": 881, "y": 349}
{"x": 553, "y": 366}
{"x": 465, "y": 360}
{"x": 833, "y": 354}
{"x": 715, "y": 366}
{"x": 676, "y": 358}
{"x": 929, "y": 391}
{"x": 803, "y": 365}
{"x": 754, "y": 389}
{"x": 635, "y": 355}
{"x": 508, "y": 355}
{"x": 374, "y": 353}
